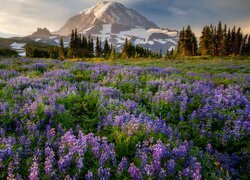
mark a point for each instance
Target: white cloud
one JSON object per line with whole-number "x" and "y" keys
{"x": 177, "y": 11}
{"x": 22, "y": 17}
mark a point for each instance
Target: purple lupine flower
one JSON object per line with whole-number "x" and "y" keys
{"x": 122, "y": 165}
{"x": 11, "y": 171}
{"x": 196, "y": 175}
{"x": 103, "y": 174}
{"x": 180, "y": 151}
{"x": 162, "y": 174}
{"x": 134, "y": 172}
{"x": 149, "y": 169}
{"x": 79, "y": 163}
{"x": 186, "y": 172}
{"x": 209, "y": 148}
{"x": 49, "y": 161}
{"x": 89, "y": 176}
{"x": 34, "y": 170}
{"x": 159, "y": 151}
{"x": 170, "y": 165}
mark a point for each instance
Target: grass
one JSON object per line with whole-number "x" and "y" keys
{"x": 211, "y": 65}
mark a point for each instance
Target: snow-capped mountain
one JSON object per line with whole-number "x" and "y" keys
{"x": 115, "y": 22}
{"x": 106, "y": 20}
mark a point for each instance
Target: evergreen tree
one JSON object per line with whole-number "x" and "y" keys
{"x": 205, "y": 41}
{"x": 243, "y": 45}
{"x": 125, "y": 49}
{"x": 112, "y": 54}
{"x": 106, "y": 49}
{"x": 223, "y": 43}
{"x": 97, "y": 48}
{"x": 72, "y": 45}
{"x": 131, "y": 50}
{"x": 187, "y": 44}
{"x": 61, "y": 50}
{"x": 233, "y": 40}
{"x": 181, "y": 43}
{"x": 247, "y": 46}
{"x": 229, "y": 42}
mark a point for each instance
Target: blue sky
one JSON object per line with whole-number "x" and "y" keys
{"x": 22, "y": 17}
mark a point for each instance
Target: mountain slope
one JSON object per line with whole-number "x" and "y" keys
{"x": 106, "y": 20}
{"x": 105, "y": 13}
{"x": 115, "y": 22}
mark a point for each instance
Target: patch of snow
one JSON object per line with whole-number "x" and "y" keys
{"x": 57, "y": 41}
{"x": 137, "y": 32}
{"x": 139, "y": 41}
{"x": 66, "y": 44}
{"x": 17, "y": 46}
{"x": 172, "y": 41}
{"x": 106, "y": 29}
{"x": 171, "y": 48}
{"x": 52, "y": 37}
{"x": 120, "y": 40}
{"x": 151, "y": 42}
{"x": 105, "y": 32}
{"x": 164, "y": 31}
{"x": 22, "y": 54}
{"x": 145, "y": 34}
{"x": 38, "y": 39}
{"x": 160, "y": 41}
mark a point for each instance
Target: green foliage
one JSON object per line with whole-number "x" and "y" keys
{"x": 125, "y": 145}
{"x": 217, "y": 41}
{"x": 187, "y": 44}
{"x": 131, "y": 51}
{"x": 80, "y": 110}
{"x": 5, "y": 52}
{"x": 41, "y": 51}
{"x": 62, "y": 51}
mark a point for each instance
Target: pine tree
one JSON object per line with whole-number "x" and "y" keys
{"x": 238, "y": 41}
{"x": 97, "y": 48}
{"x": 243, "y": 45}
{"x": 233, "y": 40}
{"x": 194, "y": 43}
{"x": 223, "y": 42}
{"x": 205, "y": 41}
{"x": 72, "y": 45}
{"x": 112, "y": 54}
{"x": 181, "y": 43}
{"x": 61, "y": 50}
{"x": 229, "y": 42}
{"x": 125, "y": 49}
{"x": 247, "y": 46}
{"x": 106, "y": 49}
{"x": 187, "y": 44}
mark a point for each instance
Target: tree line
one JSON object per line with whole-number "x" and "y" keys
{"x": 42, "y": 51}
{"x": 214, "y": 41}
{"x": 85, "y": 47}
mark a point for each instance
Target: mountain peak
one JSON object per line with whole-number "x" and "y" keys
{"x": 117, "y": 13}
{"x": 41, "y": 32}
{"x": 115, "y": 22}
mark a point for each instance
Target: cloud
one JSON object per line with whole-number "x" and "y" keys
{"x": 22, "y": 17}
{"x": 177, "y": 11}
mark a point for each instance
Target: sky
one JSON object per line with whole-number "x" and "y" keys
{"x": 23, "y": 17}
